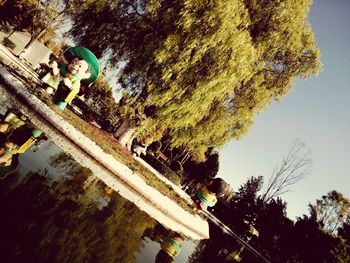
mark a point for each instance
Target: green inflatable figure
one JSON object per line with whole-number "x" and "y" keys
{"x": 79, "y": 69}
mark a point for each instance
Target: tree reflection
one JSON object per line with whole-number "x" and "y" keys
{"x": 44, "y": 222}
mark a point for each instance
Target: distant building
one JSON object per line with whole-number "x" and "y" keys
{"x": 17, "y": 41}
{"x": 35, "y": 54}
{"x": 32, "y": 55}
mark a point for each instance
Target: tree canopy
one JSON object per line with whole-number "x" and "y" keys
{"x": 280, "y": 239}
{"x": 207, "y": 67}
{"x": 332, "y": 210}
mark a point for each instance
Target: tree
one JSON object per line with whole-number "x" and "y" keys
{"x": 294, "y": 167}
{"x": 155, "y": 147}
{"x": 332, "y": 211}
{"x": 213, "y": 65}
{"x": 176, "y": 166}
{"x": 280, "y": 239}
{"x": 99, "y": 98}
{"x": 344, "y": 231}
{"x": 201, "y": 172}
{"x": 245, "y": 199}
{"x": 36, "y": 17}
{"x": 312, "y": 244}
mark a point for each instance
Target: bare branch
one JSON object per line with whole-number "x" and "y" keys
{"x": 294, "y": 167}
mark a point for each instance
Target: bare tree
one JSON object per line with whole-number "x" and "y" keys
{"x": 294, "y": 167}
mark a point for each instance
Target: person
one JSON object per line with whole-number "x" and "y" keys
{"x": 207, "y": 194}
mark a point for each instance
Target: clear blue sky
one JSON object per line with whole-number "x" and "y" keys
{"x": 316, "y": 111}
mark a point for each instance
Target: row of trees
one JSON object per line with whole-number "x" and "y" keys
{"x": 308, "y": 239}
{"x": 258, "y": 215}
{"x": 204, "y": 68}
{"x": 207, "y": 67}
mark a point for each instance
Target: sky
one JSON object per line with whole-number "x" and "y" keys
{"x": 316, "y": 112}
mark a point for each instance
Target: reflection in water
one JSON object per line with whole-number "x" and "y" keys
{"x": 54, "y": 210}
{"x": 170, "y": 243}
{"x": 62, "y": 221}
{"x": 17, "y": 135}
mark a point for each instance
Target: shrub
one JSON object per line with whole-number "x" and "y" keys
{"x": 163, "y": 169}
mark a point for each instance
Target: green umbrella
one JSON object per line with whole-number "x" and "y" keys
{"x": 89, "y": 57}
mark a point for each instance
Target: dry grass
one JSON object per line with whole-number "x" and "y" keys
{"x": 111, "y": 146}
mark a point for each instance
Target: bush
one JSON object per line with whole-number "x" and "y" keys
{"x": 176, "y": 167}
{"x": 163, "y": 169}
{"x": 154, "y": 147}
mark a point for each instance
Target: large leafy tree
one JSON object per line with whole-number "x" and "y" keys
{"x": 207, "y": 67}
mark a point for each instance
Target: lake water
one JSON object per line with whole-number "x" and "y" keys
{"x": 54, "y": 210}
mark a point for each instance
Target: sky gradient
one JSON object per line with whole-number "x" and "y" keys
{"x": 316, "y": 111}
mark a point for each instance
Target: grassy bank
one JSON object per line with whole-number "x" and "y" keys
{"x": 110, "y": 145}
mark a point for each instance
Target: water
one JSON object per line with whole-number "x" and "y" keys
{"x": 54, "y": 210}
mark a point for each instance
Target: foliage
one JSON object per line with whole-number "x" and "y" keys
{"x": 279, "y": 238}
{"x": 205, "y": 67}
{"x": 176, "y": 166}
{"x": 344, "y": 232}
{"x": 200, "y": 172}
{"x": 332, "y": 211}
{"x": 100, "y": 100}
{"x": 154, "y": 147}
{"x": 172, "y": 175}
{"x": 30, "y": 15}
{"x": 57, "y": 222}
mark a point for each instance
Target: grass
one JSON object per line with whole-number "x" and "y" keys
{"x": 110, "y": 145}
